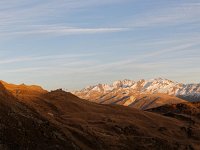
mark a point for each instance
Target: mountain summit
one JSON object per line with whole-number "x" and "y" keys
{"x": 141, "y": 94}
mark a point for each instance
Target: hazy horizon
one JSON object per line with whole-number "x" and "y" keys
{"x": 73, "y": 44}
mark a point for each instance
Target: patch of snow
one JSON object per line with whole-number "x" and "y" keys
{"x": 96, "y": 88}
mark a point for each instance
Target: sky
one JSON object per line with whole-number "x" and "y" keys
{"x": 71, "y": 44}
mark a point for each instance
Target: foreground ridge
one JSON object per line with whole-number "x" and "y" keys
{"x": 61, "y": 120}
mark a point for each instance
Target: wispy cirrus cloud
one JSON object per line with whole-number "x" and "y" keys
{"x": 23, "y": 70}
{"x": 181, "y": 13}
{"x": 152, "y": 39}
{"x": 179, "y": 48}
{"x": 22, "y": 17}
{"x": 26, "y": 59}
{"x": 65, "y": 31}
{"x": 138, "y": 61}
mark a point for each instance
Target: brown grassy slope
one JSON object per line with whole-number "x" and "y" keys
{"x": 24, "y": 92}
{"x": 147, "y": 101}
{"x": 22, "y": 128}
{"x": 93, "y": 126}
{"x": 188, "y": 112}
{"x": 188, "y": 108}
{"x": 132, "y": 99}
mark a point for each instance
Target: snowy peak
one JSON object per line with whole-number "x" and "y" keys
{"x": 161, "y": 85}
{"x": 123, "y": 84}
{"x": 153, "y": 86}
{"x": 107, "y": 88}
{"x": 102, "y": 88}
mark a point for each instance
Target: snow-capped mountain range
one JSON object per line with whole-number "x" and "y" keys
{"x": 127, "y": 90}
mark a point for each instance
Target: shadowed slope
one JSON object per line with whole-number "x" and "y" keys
{"x": 189, "y": 108}
{"x": 87, "y": 125}
{"x": 188, "y": 112}
{"x": 93, "y": 126}
{"x": 22, "y": 128}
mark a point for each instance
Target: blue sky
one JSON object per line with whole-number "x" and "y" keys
{"x": 75, "y": 43}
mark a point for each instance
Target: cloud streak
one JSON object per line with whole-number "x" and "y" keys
{"x": 22, "y": 17}
{"x": 67, "y": 31}
{"x": 26, "y": 59}
{"x": 170, "y": 16}
{"x": 138, "y": 41}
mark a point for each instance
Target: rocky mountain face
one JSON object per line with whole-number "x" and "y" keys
{"x": 60, "y": 120}
{"x": 145, "y": 92}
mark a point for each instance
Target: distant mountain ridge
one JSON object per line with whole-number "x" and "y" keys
{"x": 124, "y": 90}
